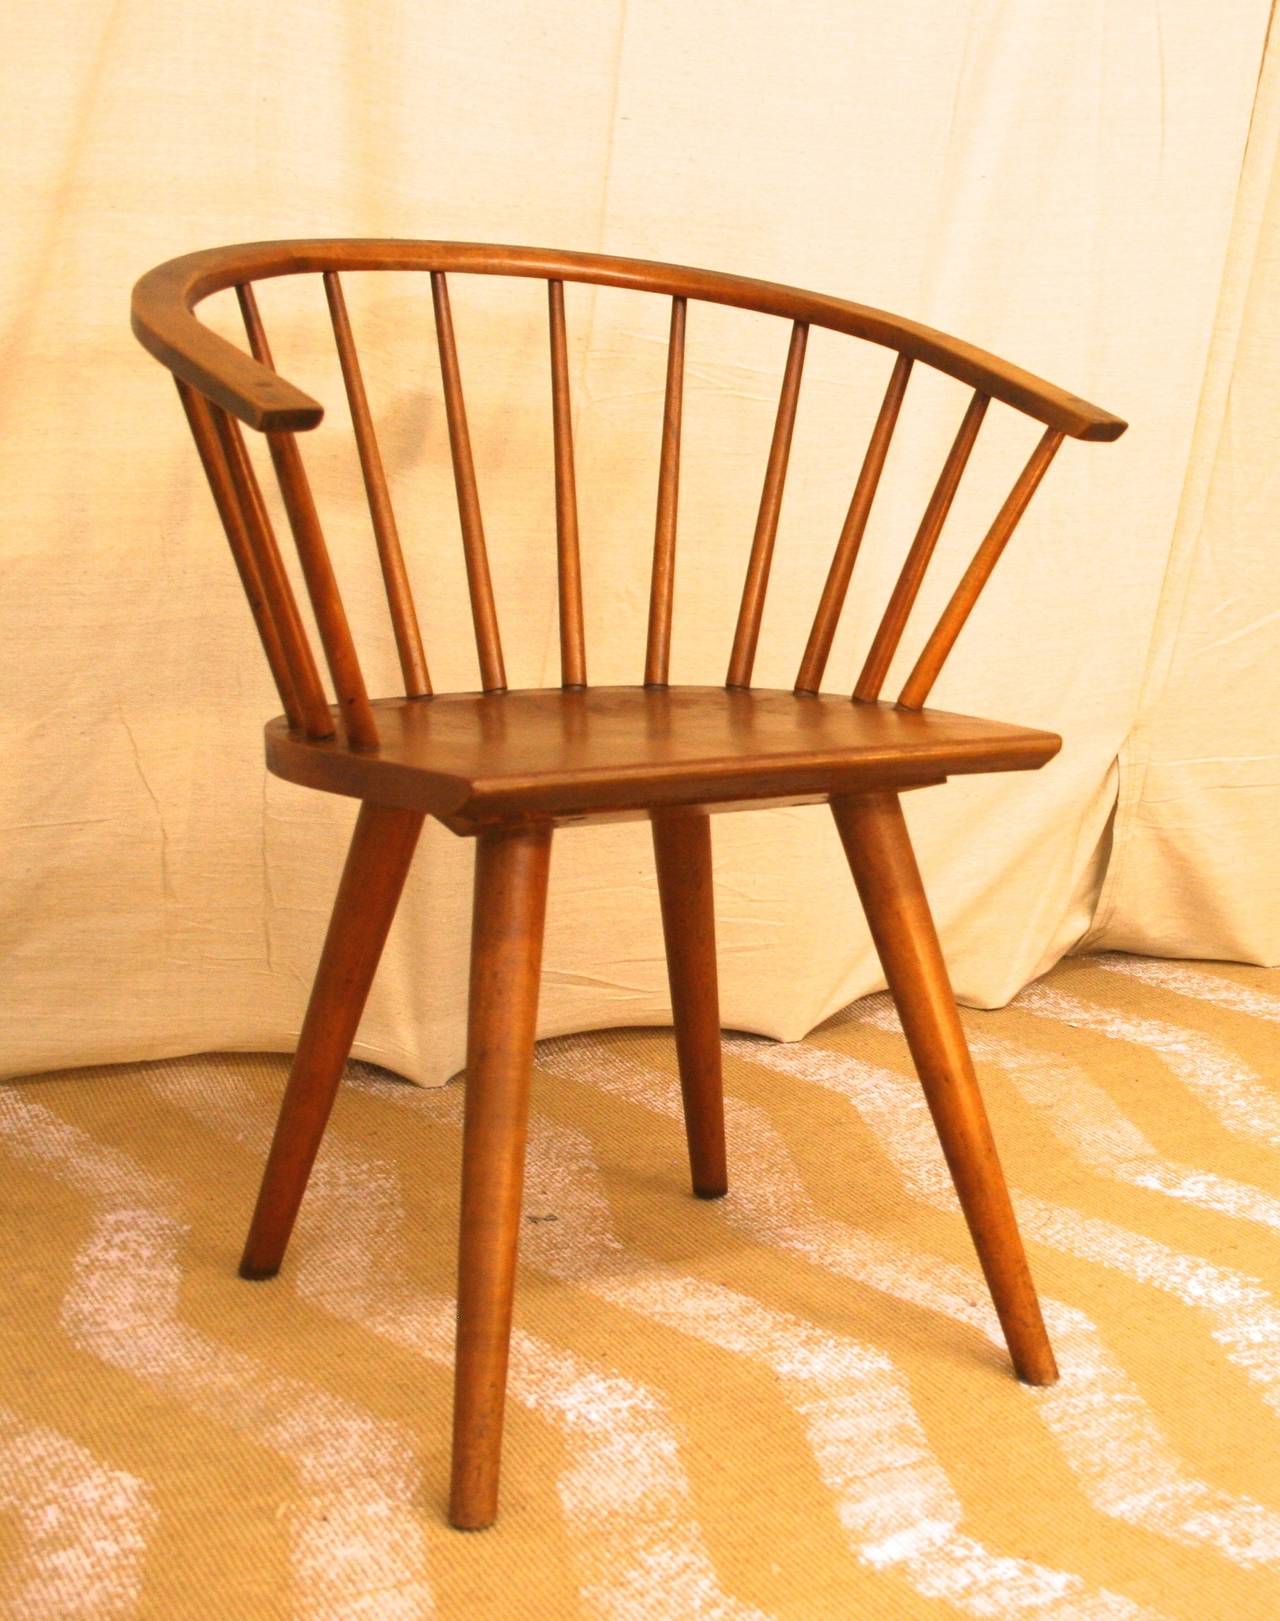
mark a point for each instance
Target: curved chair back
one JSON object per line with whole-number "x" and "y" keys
{"x": 222, "y": 387}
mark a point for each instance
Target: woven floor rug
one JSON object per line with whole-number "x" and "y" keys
{"x": 791, "y": 1403}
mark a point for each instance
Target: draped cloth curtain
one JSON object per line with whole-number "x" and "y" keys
{"x": 1193, "y": 869}
{"x": 1084, "y": 189}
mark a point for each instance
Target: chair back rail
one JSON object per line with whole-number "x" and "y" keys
{"x": 909, "y": 581}
{"x": 751, "y": 610}
{"x": 483, "y": 612}
{"x": 831, "y": 602}
{"x": 949, "y": 626}
{"x": 218, "y": 383}
{"x": 278, "y": 592}
{"x": 404, "y": 618}
{"x": 322, "y": 586}
{"x": 573, "y": 650}
{"x": 657, "y": 662}
{"x": 225, "y": 499}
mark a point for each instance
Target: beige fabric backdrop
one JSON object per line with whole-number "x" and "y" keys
{"x": 1194, "y": 869}
{"x": 1056, "y": 182}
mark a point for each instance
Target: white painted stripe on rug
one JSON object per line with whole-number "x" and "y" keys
{"x": 1244, "y": 1319}
{"x": 83, "y": 1527}
{"x": 357, "y": 1548}
{"x": 1188, "y": 981}
{"x": 627, "y": 1505}
{"x": 1084, "y": 1117}
{"x": 1241, "y": 1099}
{"x": 1096, "y": 1413}
{"x": 891, "y": 1493}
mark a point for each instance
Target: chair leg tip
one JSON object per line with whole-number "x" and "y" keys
{"x": 716, "y": 1192}
{"x": 254, "y": 1272}
{"x": 1039, "y": 1371}
{"x": 473, "y": 1515}
{"x": 458, "y": 1524}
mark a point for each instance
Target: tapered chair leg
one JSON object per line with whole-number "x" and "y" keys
{"x": 875, "y": 839}
{"x": 506, "y": 958}
{"x": 682, "y": 853}
{"x": 382, "y": 847}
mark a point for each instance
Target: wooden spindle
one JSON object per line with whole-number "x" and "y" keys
{"x": 831, "y": 603}
{"x": 404, "y": 619}
{"x": 938, "y": 647}
{"x": 483, "y": 612}
{"x": 312, "y": 703}
{"x": 751, "y": 609}
{"x": 905, "y": 591}
{"x": 224, "y": 499}
{"x": 573, "y": 654}
{"x": 662, "y": 587}
{"x": 322, "y": 587}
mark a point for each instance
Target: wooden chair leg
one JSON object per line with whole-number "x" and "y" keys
{"x": 682, "y": 853}
{"x": 506, "y": 957}
{"x": 382, "y": 847}
{"x": 875, "y": 839}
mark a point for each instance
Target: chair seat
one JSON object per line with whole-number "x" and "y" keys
{"x": 606, "y": 753}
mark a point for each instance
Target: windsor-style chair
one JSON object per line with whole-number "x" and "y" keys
{"x": 506, "y": 767}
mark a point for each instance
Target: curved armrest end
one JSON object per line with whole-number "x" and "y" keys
{"x": 164, "y": 323}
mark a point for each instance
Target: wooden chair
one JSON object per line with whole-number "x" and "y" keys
{"x": 507, "y": 767}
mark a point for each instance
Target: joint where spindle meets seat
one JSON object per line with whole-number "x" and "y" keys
{"x": 484, "y": 613}
{"x": 507, "y": 767}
